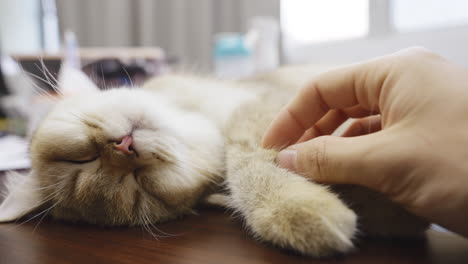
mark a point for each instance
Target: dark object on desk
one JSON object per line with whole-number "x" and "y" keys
{"x": 3, "y": 90}
{"x": 106, "y": 66}
{"x": 3, "y": 86}
{"x": 104, "y": 72}
{"x": 115, "y": 73}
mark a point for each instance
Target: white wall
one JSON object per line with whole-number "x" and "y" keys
{"x": 451, "y": 43}
{"x": 20, "y": 29}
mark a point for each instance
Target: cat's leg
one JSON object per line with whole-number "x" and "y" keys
{"x": 285, "y": 209}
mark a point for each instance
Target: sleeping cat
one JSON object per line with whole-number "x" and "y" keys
{"x": 139, "y": 156}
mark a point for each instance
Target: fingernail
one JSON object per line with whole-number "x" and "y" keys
{"x": 287, "y": 159}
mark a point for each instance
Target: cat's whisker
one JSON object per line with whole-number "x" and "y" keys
{"x": 77, "y": 116}
{"x": 151, "y": 225}
{"x": 24, "y": 222}
{"x": 145, "y": 220}
{"x": 129, "y": 78}
{"x": 54, "y": 194}
{"x": 52, "y": 85}
{"x": 88, "y": 120}
{"x": 80, "y": 118}
{"x": 42, "y": 93}
{"x": 46, "y": 72}
{"x": 47, "y": 199}
{"x": 103, "y": 78}
{"x": 45, "y": 94}
{"x": 146, "y": 227}
{"x": 44, "y": 215}
{"x": 50, "y": 196}
{"x": 47, "y": 79}
{"x": 51, "y": 186}
{"x": 39, "y": 90}
{"x": 93, "y": 76}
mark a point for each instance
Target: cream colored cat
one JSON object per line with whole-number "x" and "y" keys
{"x": 140, "y": 156}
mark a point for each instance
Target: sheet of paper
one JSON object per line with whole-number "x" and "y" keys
{"x": 13, "y": 153}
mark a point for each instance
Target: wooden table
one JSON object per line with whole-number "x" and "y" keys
{"x": 211, "y": 237}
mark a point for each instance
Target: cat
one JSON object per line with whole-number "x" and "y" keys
{"x": 131, "y": 156}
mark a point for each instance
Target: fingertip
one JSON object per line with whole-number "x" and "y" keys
{"x": 287, "y": 159}
{"x": 265, "y": 142}
{"x": 282, "y": 132}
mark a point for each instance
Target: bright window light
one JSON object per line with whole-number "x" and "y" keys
{"x": 426, "y": 14}
{"x": 315, "y": 21}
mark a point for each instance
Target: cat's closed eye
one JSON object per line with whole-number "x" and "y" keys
{"x": 81, "y": 161}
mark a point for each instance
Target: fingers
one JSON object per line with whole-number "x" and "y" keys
{"x": 378, "y": 161}
{"x": 331, "y": 121}
{"x": 325, "y": 126}
{"x": 364, "y": 126}
{"x": 329, "y": 159}
{"x": 358, "y": 84}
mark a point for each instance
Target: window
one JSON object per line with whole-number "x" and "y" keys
{"x": 324, "y": 20}
{"x": 345, "y": 31}
{"x": 318, "y": 21}
{"x": 417, "y": 15}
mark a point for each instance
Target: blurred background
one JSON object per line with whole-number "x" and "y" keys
{"x": 121, "y": 42}
{"x": 313, "y": 31}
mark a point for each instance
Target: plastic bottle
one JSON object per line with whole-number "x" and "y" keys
{"x": 232, "y": 58}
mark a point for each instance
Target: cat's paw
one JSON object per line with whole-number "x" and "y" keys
{"x": 311, "y": 221}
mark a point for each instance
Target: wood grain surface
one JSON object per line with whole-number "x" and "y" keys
{"x": 213, "y": 236}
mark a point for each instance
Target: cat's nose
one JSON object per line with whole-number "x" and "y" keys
{"x": 125, "y": 145}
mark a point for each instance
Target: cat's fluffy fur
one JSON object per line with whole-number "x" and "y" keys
{"x": 191, "y": 136}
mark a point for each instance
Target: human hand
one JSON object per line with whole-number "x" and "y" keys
{"x": 410, "y": 139}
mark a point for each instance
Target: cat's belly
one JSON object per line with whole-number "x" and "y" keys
{"x": 215, "y": 99}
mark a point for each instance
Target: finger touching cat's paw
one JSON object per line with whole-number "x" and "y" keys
{"x": 316, "y": 228}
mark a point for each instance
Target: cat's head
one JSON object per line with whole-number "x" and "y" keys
{"x": 115, "y": 157}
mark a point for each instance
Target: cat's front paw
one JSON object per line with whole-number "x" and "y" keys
{"x": 313, "y": 222}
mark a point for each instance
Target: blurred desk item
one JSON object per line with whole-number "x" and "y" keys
{"x": 232, "y": 56}
{"x": 3, "y": 92}
{"x": 16, "y": 102}
{"x": 14, "y": 153}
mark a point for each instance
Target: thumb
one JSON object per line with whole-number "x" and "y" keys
{"x": 329, "y": 159}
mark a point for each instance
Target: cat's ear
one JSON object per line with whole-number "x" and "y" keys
{"x": 21, "y": 196}
{"x": 73, "y": 81}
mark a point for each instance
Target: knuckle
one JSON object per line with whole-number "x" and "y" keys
{"x": 420, "y": 50}
{"x": 415, "y": 60}
{"x": 416, "y": 54}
